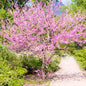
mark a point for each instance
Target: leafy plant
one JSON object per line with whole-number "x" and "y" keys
{"x": 4, "y": 17}
{"x": 78, "y": 5}
{"x": 11, "y": 71}
{"x": 80, "y": 56}
{"x": 32, "y": 63}
{"x": 11, "y": 57}
{"x": 53, "y": 65}
{"x": 10, "y": 76}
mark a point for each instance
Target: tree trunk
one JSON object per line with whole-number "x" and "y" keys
{"x": 43, "y": 68}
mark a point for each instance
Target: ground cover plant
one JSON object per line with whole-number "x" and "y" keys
{"x": 39, "y": 32}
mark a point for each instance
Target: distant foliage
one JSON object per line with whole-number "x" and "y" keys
{"x": 4, "y": 17}
{"x": 5, "y": 4}
{"x": 78, "y": 5}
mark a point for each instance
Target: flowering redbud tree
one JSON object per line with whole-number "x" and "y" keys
{"x": 39, "y": 31}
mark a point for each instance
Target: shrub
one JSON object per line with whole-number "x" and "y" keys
{"x": 80, "y": 56}
{"x": 53, "y": 64}
{"x": 11, "y": 57}
{"x": 4, "y": 17}
{"x": 10, "y": 76}
{"x": 32, "y": 63}
{"x": 11, "y": 71}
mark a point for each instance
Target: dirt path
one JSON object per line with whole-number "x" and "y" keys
{"x": 69, "y": 74}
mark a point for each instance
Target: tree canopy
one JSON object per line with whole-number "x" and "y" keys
{"x": 78, "y": 5}
{"x": 5, "y": 4}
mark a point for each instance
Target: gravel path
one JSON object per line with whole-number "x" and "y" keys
{"x": 69, "y": 74}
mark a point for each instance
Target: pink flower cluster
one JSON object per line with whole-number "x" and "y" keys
{"x": 35, "y": 30}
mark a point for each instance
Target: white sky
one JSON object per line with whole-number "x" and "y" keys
{"x": 66, "y": 2}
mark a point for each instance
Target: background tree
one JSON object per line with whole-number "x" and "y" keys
{"x": 78, "y": 5}
{"x": 5, "y": 4}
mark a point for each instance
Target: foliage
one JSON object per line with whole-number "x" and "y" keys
{"x": 78, "y": 5}
{"x": 4, "y": 17}
{"x": 53, "y": 65}
{"x": 60, "y": 52}
{"x": 5, "y": 4}
{"x": 79, "y": 53}
{"x": 73, "y": 46}
{"x": 10, "y": 76}
{"x": 33, "y": 63}
{"x": 4, "y": 14}
{"x": 9, "y": 56}
{"x": 80, "y": 56}
{"x": 11, "y": 71}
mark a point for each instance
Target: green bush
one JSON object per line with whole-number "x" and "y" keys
{"x": 79, "y": 55}
{"x": 11, "y": 57}
{"x": 34, "y": 63}
{"x": 10, "y": 76}
{"x": 11, "y": 71}
{"x": 53, "y": 64}
{"x": 4, "y": 17}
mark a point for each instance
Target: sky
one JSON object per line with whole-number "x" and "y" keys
{"x": 66, "y": 2}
